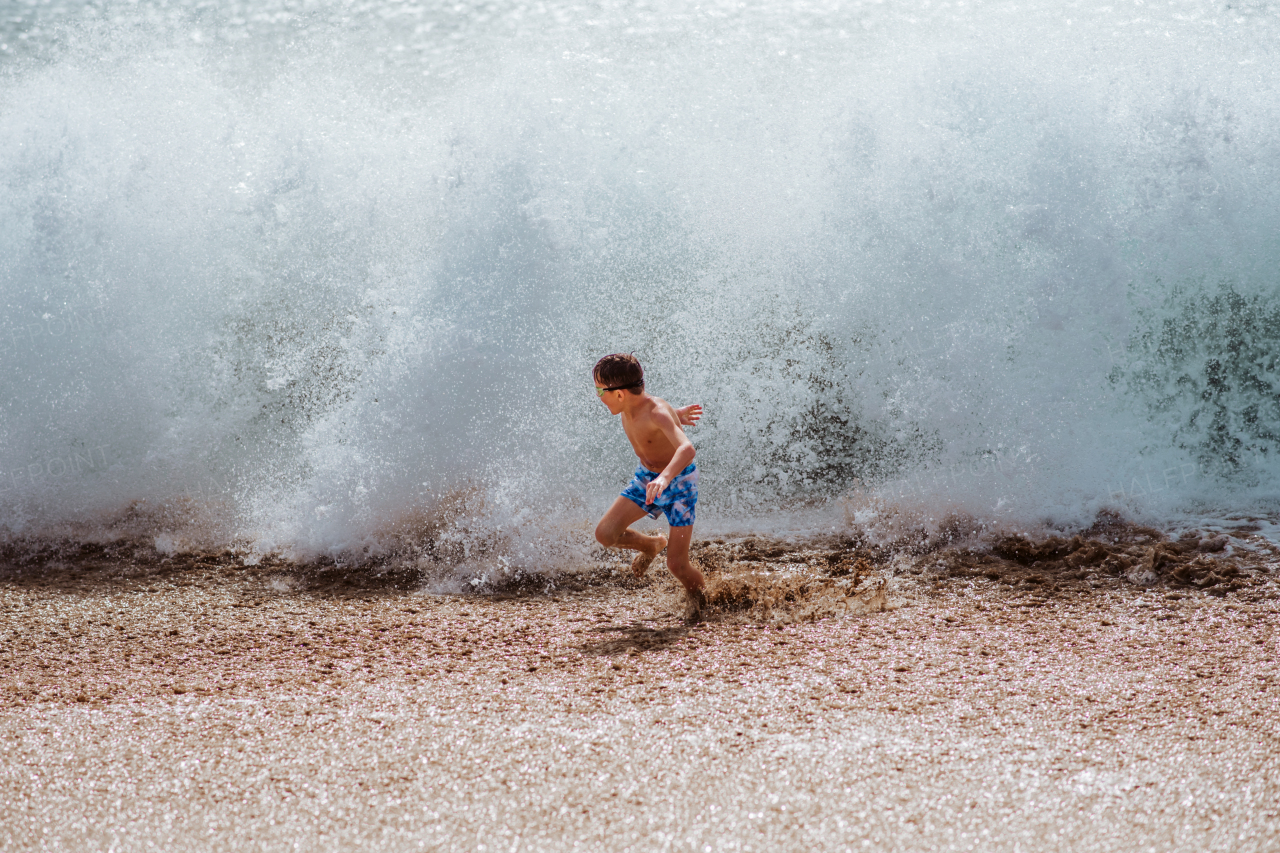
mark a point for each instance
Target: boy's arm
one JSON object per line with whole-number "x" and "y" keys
{"x": 679, "y": 461}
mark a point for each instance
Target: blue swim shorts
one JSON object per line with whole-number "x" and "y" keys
{"x": 677, "y": 501}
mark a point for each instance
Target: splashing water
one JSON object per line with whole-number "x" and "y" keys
{"x": 303, "y": 274}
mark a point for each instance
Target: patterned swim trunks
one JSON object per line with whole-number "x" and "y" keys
{"x": 677, "y": 501}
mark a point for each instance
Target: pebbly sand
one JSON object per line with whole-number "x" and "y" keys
{"x": 1033, "y": 697}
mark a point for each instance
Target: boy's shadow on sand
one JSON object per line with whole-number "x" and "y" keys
{"x": 634, "y": 637}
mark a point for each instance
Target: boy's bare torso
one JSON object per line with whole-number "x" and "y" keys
{"x": 647, "y": 438}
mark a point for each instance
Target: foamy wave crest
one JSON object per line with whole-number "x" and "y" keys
{"x": 295, "y": 283}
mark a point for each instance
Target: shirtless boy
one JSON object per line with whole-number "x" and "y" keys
{"x": 666, "y": 481}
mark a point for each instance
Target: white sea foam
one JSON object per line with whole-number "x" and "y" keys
{"x": 299, "y": 276}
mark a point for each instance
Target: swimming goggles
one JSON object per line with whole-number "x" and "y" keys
{"x": 600, "y": 392}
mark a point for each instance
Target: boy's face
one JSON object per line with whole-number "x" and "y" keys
{"x": 611, "y": 399}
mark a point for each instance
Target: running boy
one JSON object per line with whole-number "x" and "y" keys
{"x": 666, "y": 481}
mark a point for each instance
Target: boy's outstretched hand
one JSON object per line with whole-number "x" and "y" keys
{"x": 690, "y": 414}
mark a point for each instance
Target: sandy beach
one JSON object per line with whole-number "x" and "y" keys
{"x": 196, "y": 704}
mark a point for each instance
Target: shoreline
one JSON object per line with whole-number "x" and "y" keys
{"x": 206, "y": 706}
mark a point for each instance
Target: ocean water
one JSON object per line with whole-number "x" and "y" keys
{"x": 328, "y": 278}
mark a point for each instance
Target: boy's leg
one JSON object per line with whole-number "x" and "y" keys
{"x": 614, "y": 531}
{"x": 678, "y": 559}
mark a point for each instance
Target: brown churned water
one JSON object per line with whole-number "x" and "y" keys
{"x": 1033, "y": 696}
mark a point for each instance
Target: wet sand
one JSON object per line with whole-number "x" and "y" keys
{"x": 200, "y": 706}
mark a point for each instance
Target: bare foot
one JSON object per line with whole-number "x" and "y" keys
{"x": 695, "y": 604}
{"x": 644, "y": 559}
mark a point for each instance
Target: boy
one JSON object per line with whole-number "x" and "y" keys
{"x": 666, "y": 481}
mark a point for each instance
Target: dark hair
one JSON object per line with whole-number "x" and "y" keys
{"x": 619, "y": 371}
